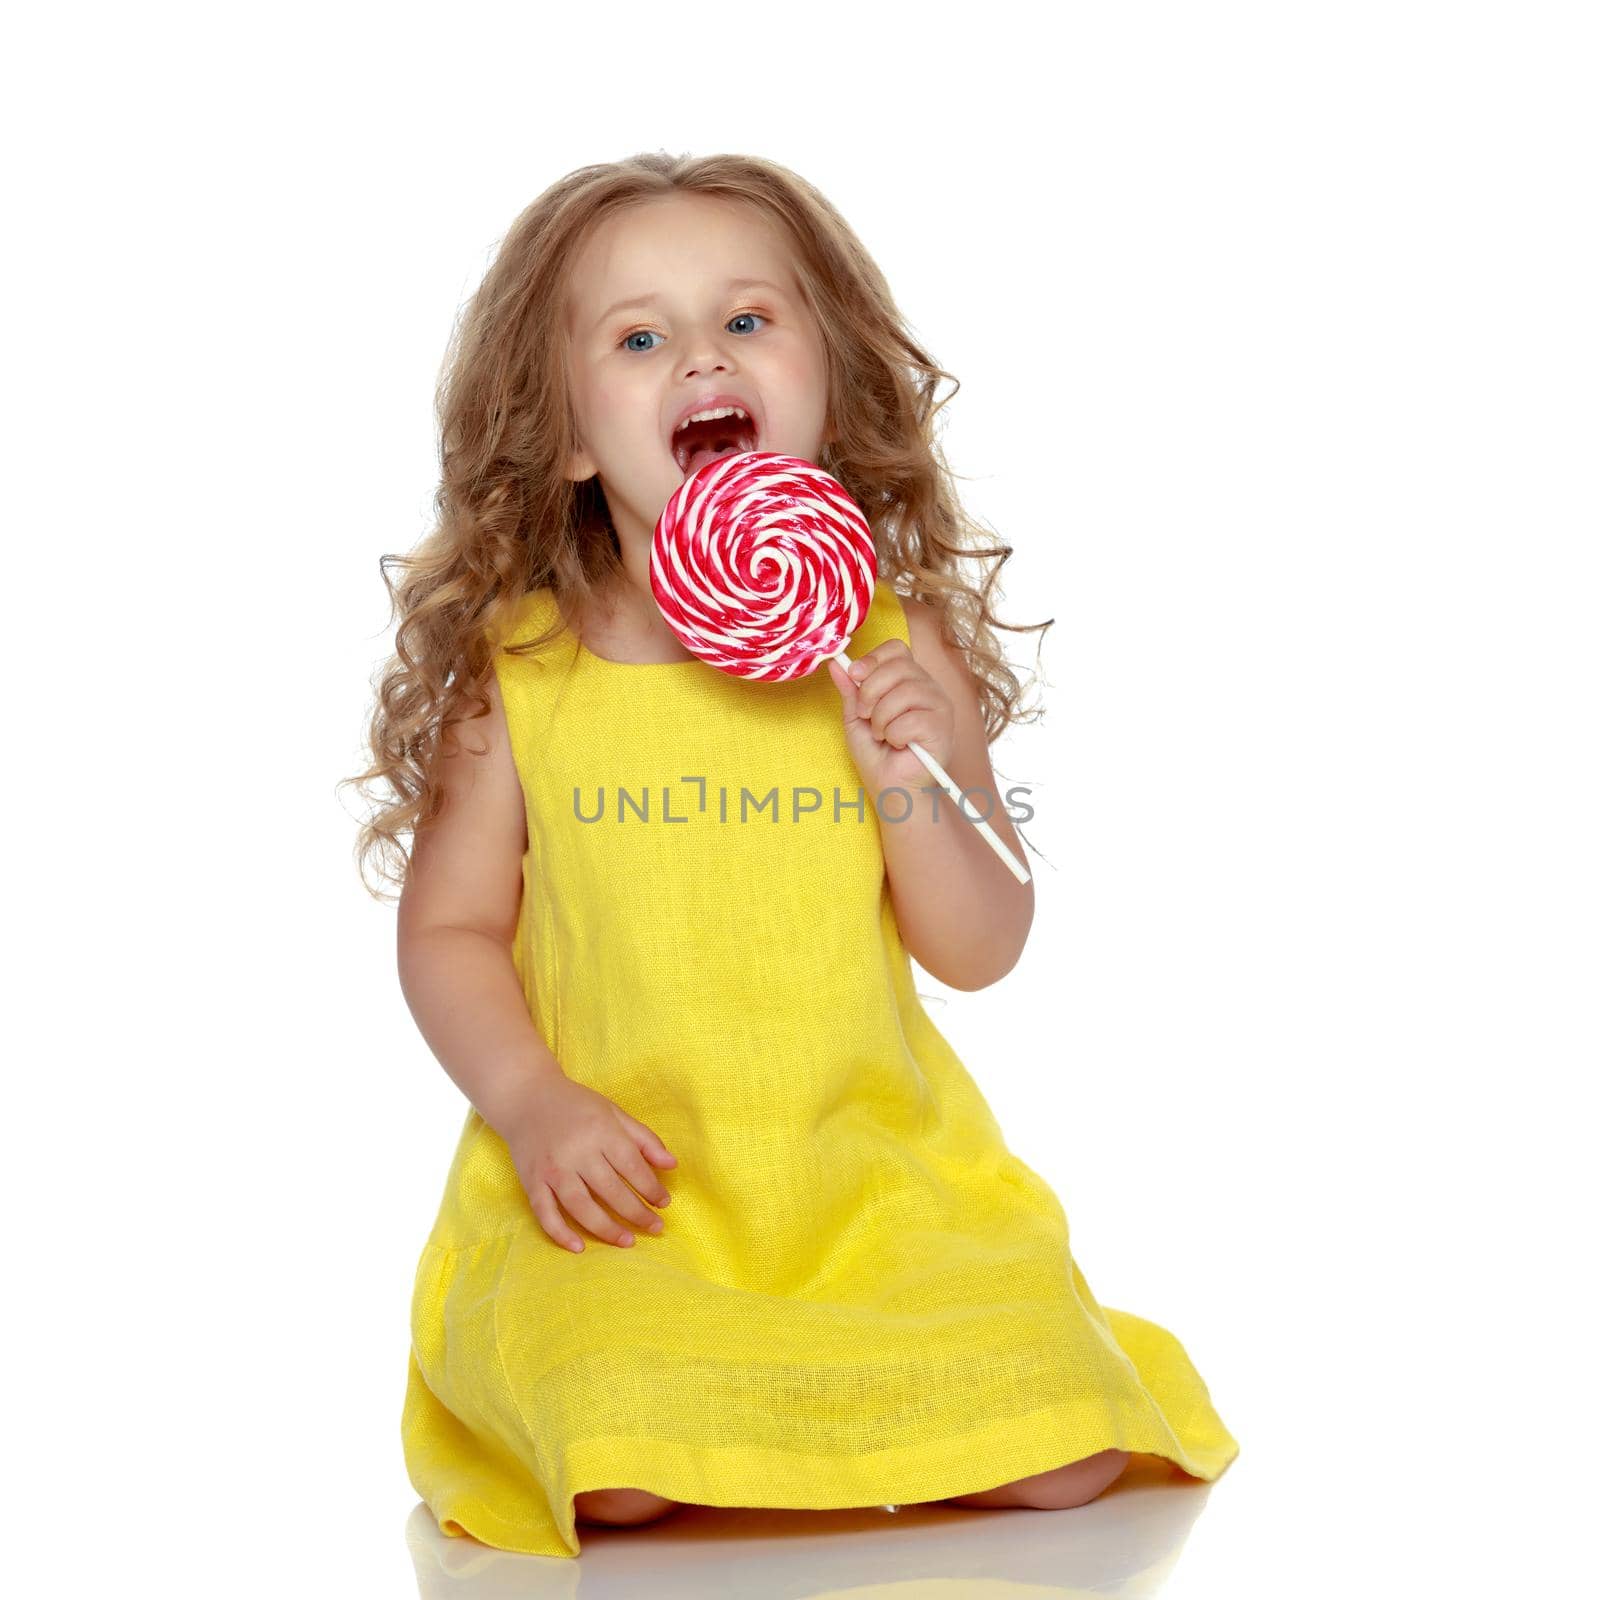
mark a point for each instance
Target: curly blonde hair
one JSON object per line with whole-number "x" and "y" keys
{"x": 509, "y": 521}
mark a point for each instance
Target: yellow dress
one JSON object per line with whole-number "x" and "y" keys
{"x": 860, "y": 1296}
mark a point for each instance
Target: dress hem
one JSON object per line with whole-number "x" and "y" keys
{"x": 907, "y": 1475}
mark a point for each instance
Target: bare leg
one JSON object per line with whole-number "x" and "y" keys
{"x": 1071, "y": 1485}
{"x": 620, "y": 1508}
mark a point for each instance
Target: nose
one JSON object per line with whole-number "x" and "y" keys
{"x": 705, "y": 355}
{"x": 704, "y": 365}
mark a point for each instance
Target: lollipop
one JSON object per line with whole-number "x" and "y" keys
{"x": 763, "y": 566}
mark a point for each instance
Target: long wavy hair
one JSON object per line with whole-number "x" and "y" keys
{"x": 509, "y": 521}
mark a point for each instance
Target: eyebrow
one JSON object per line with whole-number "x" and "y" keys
{"x": 650, "y": 299}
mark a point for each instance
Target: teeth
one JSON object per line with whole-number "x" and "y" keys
{"x": 707, "y": 416}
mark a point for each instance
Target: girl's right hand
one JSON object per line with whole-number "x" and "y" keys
{"x": 575, "y": 1146}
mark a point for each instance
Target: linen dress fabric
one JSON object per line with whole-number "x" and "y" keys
{"x": 860, "y": 1296}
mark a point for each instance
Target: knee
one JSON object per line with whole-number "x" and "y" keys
{"x": 1076, "y": 1483}
{"x": 620, "y": 1508}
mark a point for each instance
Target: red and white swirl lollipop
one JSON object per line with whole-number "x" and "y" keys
{"x": 764, "y": 567}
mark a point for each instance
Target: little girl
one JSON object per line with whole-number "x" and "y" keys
{"x": 729, "y": 1223}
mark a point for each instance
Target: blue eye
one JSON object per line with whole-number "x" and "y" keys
{"x": 743, "y": 316}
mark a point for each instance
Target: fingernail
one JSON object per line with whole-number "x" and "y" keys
{"x": 655, "y": 1227}
{"x": 627, "y": 1238}
{"x": 857, "y": 669}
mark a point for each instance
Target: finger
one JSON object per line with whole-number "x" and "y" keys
{"x": 573, "y": 1192}
{"x": 650, "y": 1144}
{"x": 917, "y": 724}
{"x": 843, "y": 683}
{"x": 550, "y": 1217}
{"x": 882, "y": 679}
{"x": 631, "y": 1164}
{"x": 868, "y": 665}
{"x": 880, "y": 655}
{"x": 902, "y": 699}
{"x": 610, "y": 1185}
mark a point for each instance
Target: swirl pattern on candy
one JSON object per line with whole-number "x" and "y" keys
{"x": 762, "y": 565}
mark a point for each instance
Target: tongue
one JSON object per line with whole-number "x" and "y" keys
{"x": 707, "y": 453}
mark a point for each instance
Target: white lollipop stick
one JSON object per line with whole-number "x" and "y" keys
{"x": 947, "y": 783}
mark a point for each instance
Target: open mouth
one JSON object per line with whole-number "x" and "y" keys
{"x": 696, "y": 443}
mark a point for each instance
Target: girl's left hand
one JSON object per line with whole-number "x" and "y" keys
{"x": 889, "y": 700}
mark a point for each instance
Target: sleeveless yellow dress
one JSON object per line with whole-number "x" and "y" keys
{"x": 860, "y": 1296}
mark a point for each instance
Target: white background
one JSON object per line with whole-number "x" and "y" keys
{"x": 1276, "y": 328}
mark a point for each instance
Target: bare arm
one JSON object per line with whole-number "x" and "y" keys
{"x": 456, "y": 922}
{"x": 961, "y": 914}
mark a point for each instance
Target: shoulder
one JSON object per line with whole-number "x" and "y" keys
{"x": 526, "y": 618}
